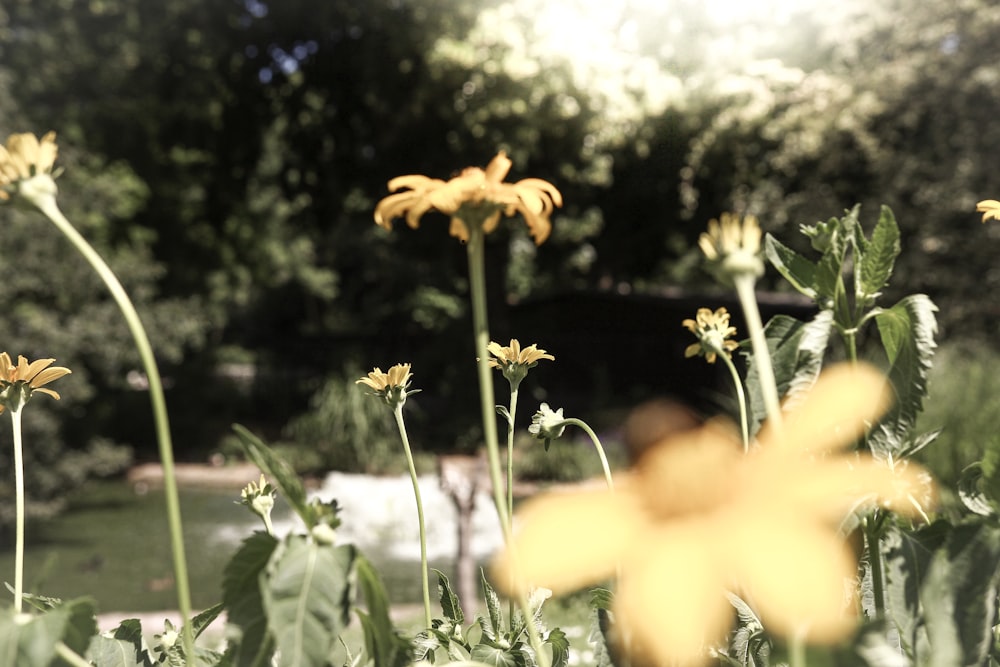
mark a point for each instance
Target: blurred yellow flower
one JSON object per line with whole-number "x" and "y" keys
{"x": 990, "y": 208}
{"x": 19, "y": 382}
{"x": 25, "y": 157}
{"x": 713, "y": 331}
{"x": 476, "y": 196}
{"x": 697, "y": 517}
{"x": 735, "y": 243}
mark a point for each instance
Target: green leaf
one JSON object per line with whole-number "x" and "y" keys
{"x": 31, "y": 641}
{"x": 560, "y": 647}
{"x": 959, "y": 596}
{"x": 493, "y": 656}
{"x": 492, "y": 607}
{"x": 204, "y": 619}
{"x": 907, "y": 331}
{"x": 971, "y": 492}
{"x": 81, "y": 624}
{"x": 279, "y": 472}
{"x": 124, "y": 648}
{"x": 797, "y": 351}
{"x": 907, "y": 556}
{"x": 382, "y": 642}
{"x": 795, "y": 268}
{"x": 450, "y": 606}
{"x": 241, "y": 597}
{"x": 307, "y": 593}
{"x": 878, "y": 258}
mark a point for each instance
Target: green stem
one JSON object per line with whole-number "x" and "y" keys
{"x": 424, "y": 579}
{"x": 480, "y": 325}
{"x": 597, "y": 445}
{"x": 70, "y": 656}
{"x": 758, "y": 341}
{"x": 875, "y": 562}
{"x": 510, "y": 451}
{"x": 742, "y": 398}
{"x": 48, "y": 206}
{"x": 797, "y": 650}
{"x": 15, "y": 417}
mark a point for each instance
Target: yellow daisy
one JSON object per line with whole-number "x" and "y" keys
{"x": 713, "y": 332}
{"x": 476, "y": 196}
{"x": 25, "y": 157}
{"x": 990, "y": 208}
{"x": 19, "y": 382}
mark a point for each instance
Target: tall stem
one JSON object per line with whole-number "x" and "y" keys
{"x": 15, "y": 416}
{"x": 512, "y": 410}
{"x": 424, "y": 580}
{"x": 741, "y": 397}
{"x": 480, "y": 326}
{"x": 48, "y": 206}
{"x": 597, "y": 445}
{"x": 761, "y": 355}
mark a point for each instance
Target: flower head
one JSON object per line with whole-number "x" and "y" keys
{"x": 18, "y": 383}
{"x": 713, "y": 332}
{"x": 697, "y": 517}
{"x": 24, "y": 158}
{"x": 990, "y": 208}
{"x": 474, "y": 197}
{"x": 547, "y": 424}
{"x": 734, "y": 242}
{"x": 259, "y": 497}
{"x": 514, "y": 361}
{"x": 390, "y": 386}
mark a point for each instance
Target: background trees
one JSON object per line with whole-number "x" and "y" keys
{"x": 227, "y": 155}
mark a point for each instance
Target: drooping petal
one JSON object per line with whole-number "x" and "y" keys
{"x": 566, "y": 540}
{"x": 832, "y": 414}
{"x": 798, "y": 575}
{"x": 671, "y": 597}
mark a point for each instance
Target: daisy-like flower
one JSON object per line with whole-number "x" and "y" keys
{"x": 23, "y": 159}
{"x": 19, "y": 382}
{"x": 697, "y": 517}
{"x": 474, "y": 197}
{"x": 547, "y": 424}
{"x": 259, "y": 497}
{"x": 734, "y": 242}
{"x": 990, "y": 208}
{"x": 514, "y": 361}
{"x": 713, "y": 332}
{"x": 391, "y": 386}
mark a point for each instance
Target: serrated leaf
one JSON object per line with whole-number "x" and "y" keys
{"x": 306, "y": 590}
{"x": 124, "y": 648}
{"x": 492, "y": 607}
{"x": 878, "y": 257}
{"x": 241, "y": 597}
{"x": 450, "y": 606}
{"x": 278, "y": 471}
{"x": 797, "y": 350}
{"x": 959, "y": 596}
{"x": 560, "y": 647}
{"x": 906, "y": 558}
{"x": 601, "y": 624}
{"x": 907, "y": 331}
{"x": 202, "y": 620}
{"x": 795, "y": 268}
{"x": 31, "y": 643}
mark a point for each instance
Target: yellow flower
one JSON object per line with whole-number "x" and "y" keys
{"x": 990, "y": 208}
{"x": 514, "y": 361}
{"x": 476, "y": 196}
{"x": 712, "y": 330}
{"x": 735, "y": 243}
{"x": 18, "y": 383}
{"x": 390, "y": 386}
{"x": 697, "y": 517}
{"x": 25, "y": 157}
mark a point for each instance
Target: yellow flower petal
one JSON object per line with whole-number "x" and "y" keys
{"x": 565, "y": 541}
